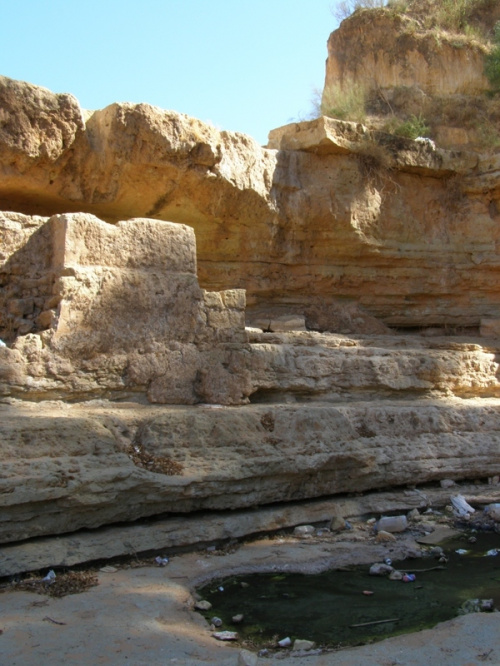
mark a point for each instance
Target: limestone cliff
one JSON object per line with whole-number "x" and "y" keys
{"x": 422, "y": 60}
{"x": 328, "y": 214}
{"x": 136, "y": 244}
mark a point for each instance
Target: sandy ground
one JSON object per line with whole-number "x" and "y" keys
{"x": 144, "y": 616}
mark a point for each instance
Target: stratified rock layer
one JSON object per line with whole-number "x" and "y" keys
{"x": 384, "y": 49}
{"x": 332, "y": 228}
{"x": 330, "y": 214}
{"x": 76, "y": 466}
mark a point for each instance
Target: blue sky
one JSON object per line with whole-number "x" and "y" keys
{"x": 243, "y": 66}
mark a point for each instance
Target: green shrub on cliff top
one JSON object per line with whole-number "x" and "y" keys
{"x": 492, "y": 62}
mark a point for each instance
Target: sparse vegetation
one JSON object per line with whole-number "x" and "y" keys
{"x": 344, "y": 9}
{"x": 407, "y": 111}
{"x": 345, "y": 102}
{"x": 492, "y": 63}
{"x": 412, "y": 128}
{"x": 458, "y": 16}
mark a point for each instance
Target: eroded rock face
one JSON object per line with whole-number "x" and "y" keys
{"x": 332, "y": 227}
{"x": 73, "y": 466}
{"x": 104, "y": 308}
{"x": 406, "y": 232}
{"x": 385, "y": 49}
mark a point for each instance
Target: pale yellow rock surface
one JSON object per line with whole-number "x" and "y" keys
{"x": 332, "y": 212}
{"x": 385, "y": 50}
{"x": 73, "y": 466}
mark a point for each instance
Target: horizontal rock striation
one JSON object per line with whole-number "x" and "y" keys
{"x": 76, "y": 466}
{"x": 406, "y": 231}
{"x": 131, "y": 242}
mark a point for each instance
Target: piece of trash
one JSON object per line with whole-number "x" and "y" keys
{"x": 49, "y": 578}
{"x": 388, "y": 561}
{"x": 368, "y": 624}
{"x": 216, "y": 621}
{"x": 461, "y": 551}
{"x": 381, "y": 569}
{"x": 460, "y": 507}
{"x": 285, "y": 642}
{"x": 237, "y": 619}
{"x": 476, "y": 606}
{"x": 108, "y": 569}
{"x": 49, "y": 619}
{"x": 392, "y": 524}
{"x": 408, "y": 578}
{"x": 368, "y": 593}
{"x": 347, "y": 525}
{"x": 2, "y": 344}
{"x": 225, "y": 635}
{"x": 426, "y": 141}
{"x": 304, "y": 531}
{"x": 161, "y": 561}
{"x": 221, "y": 589}
{"x": 492, "y": 553}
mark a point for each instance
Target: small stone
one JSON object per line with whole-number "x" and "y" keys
{"x": 383, "y": 536}
{"x": 395, "y": 575}
{"x": 225, "y": 635}
{"x": 237, "y": 619}
{"x": 493, "y": 511}
{"x": 371, "y": 521}
{"x": 108, "y": 569}
{"x": 380, "y": 569}
{"x": 414, "y": 514}
{"x": 337, "y": 521}
{"x": 247, "y": 658}
{"x": 203, "y": 605}
{"x": 216, "y": 621}
{"x": 304, "y": 531}
{"x": 301, "y": 644}
{"x": 243, "y": 584}
{"x": 447, "y": 483}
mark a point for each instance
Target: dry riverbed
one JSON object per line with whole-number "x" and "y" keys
{"x": 137, "y": 612}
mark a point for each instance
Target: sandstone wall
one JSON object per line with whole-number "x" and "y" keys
{"x": 332, "y": 226}
{"x": 328, "y": 212}
{"x": 120, "y": 309}
{"x": 380, "y": 49}
{"x": 75, "y": 466}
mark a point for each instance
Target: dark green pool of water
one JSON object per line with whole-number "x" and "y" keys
{"x": 323, "y": 607}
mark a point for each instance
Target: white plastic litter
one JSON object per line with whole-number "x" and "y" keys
{"x": 461, "y": 551}
{"x": 49, "y": 578}
{"x": 285, "y": 642}
{"x": 492, "y": 553}
{"x": 460, "y": 507}
{"x": 2, "y": 344}
{"x": 225, "y": 635}
{"x": 426, "y": 140}
{"x": 161, "y": 561}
